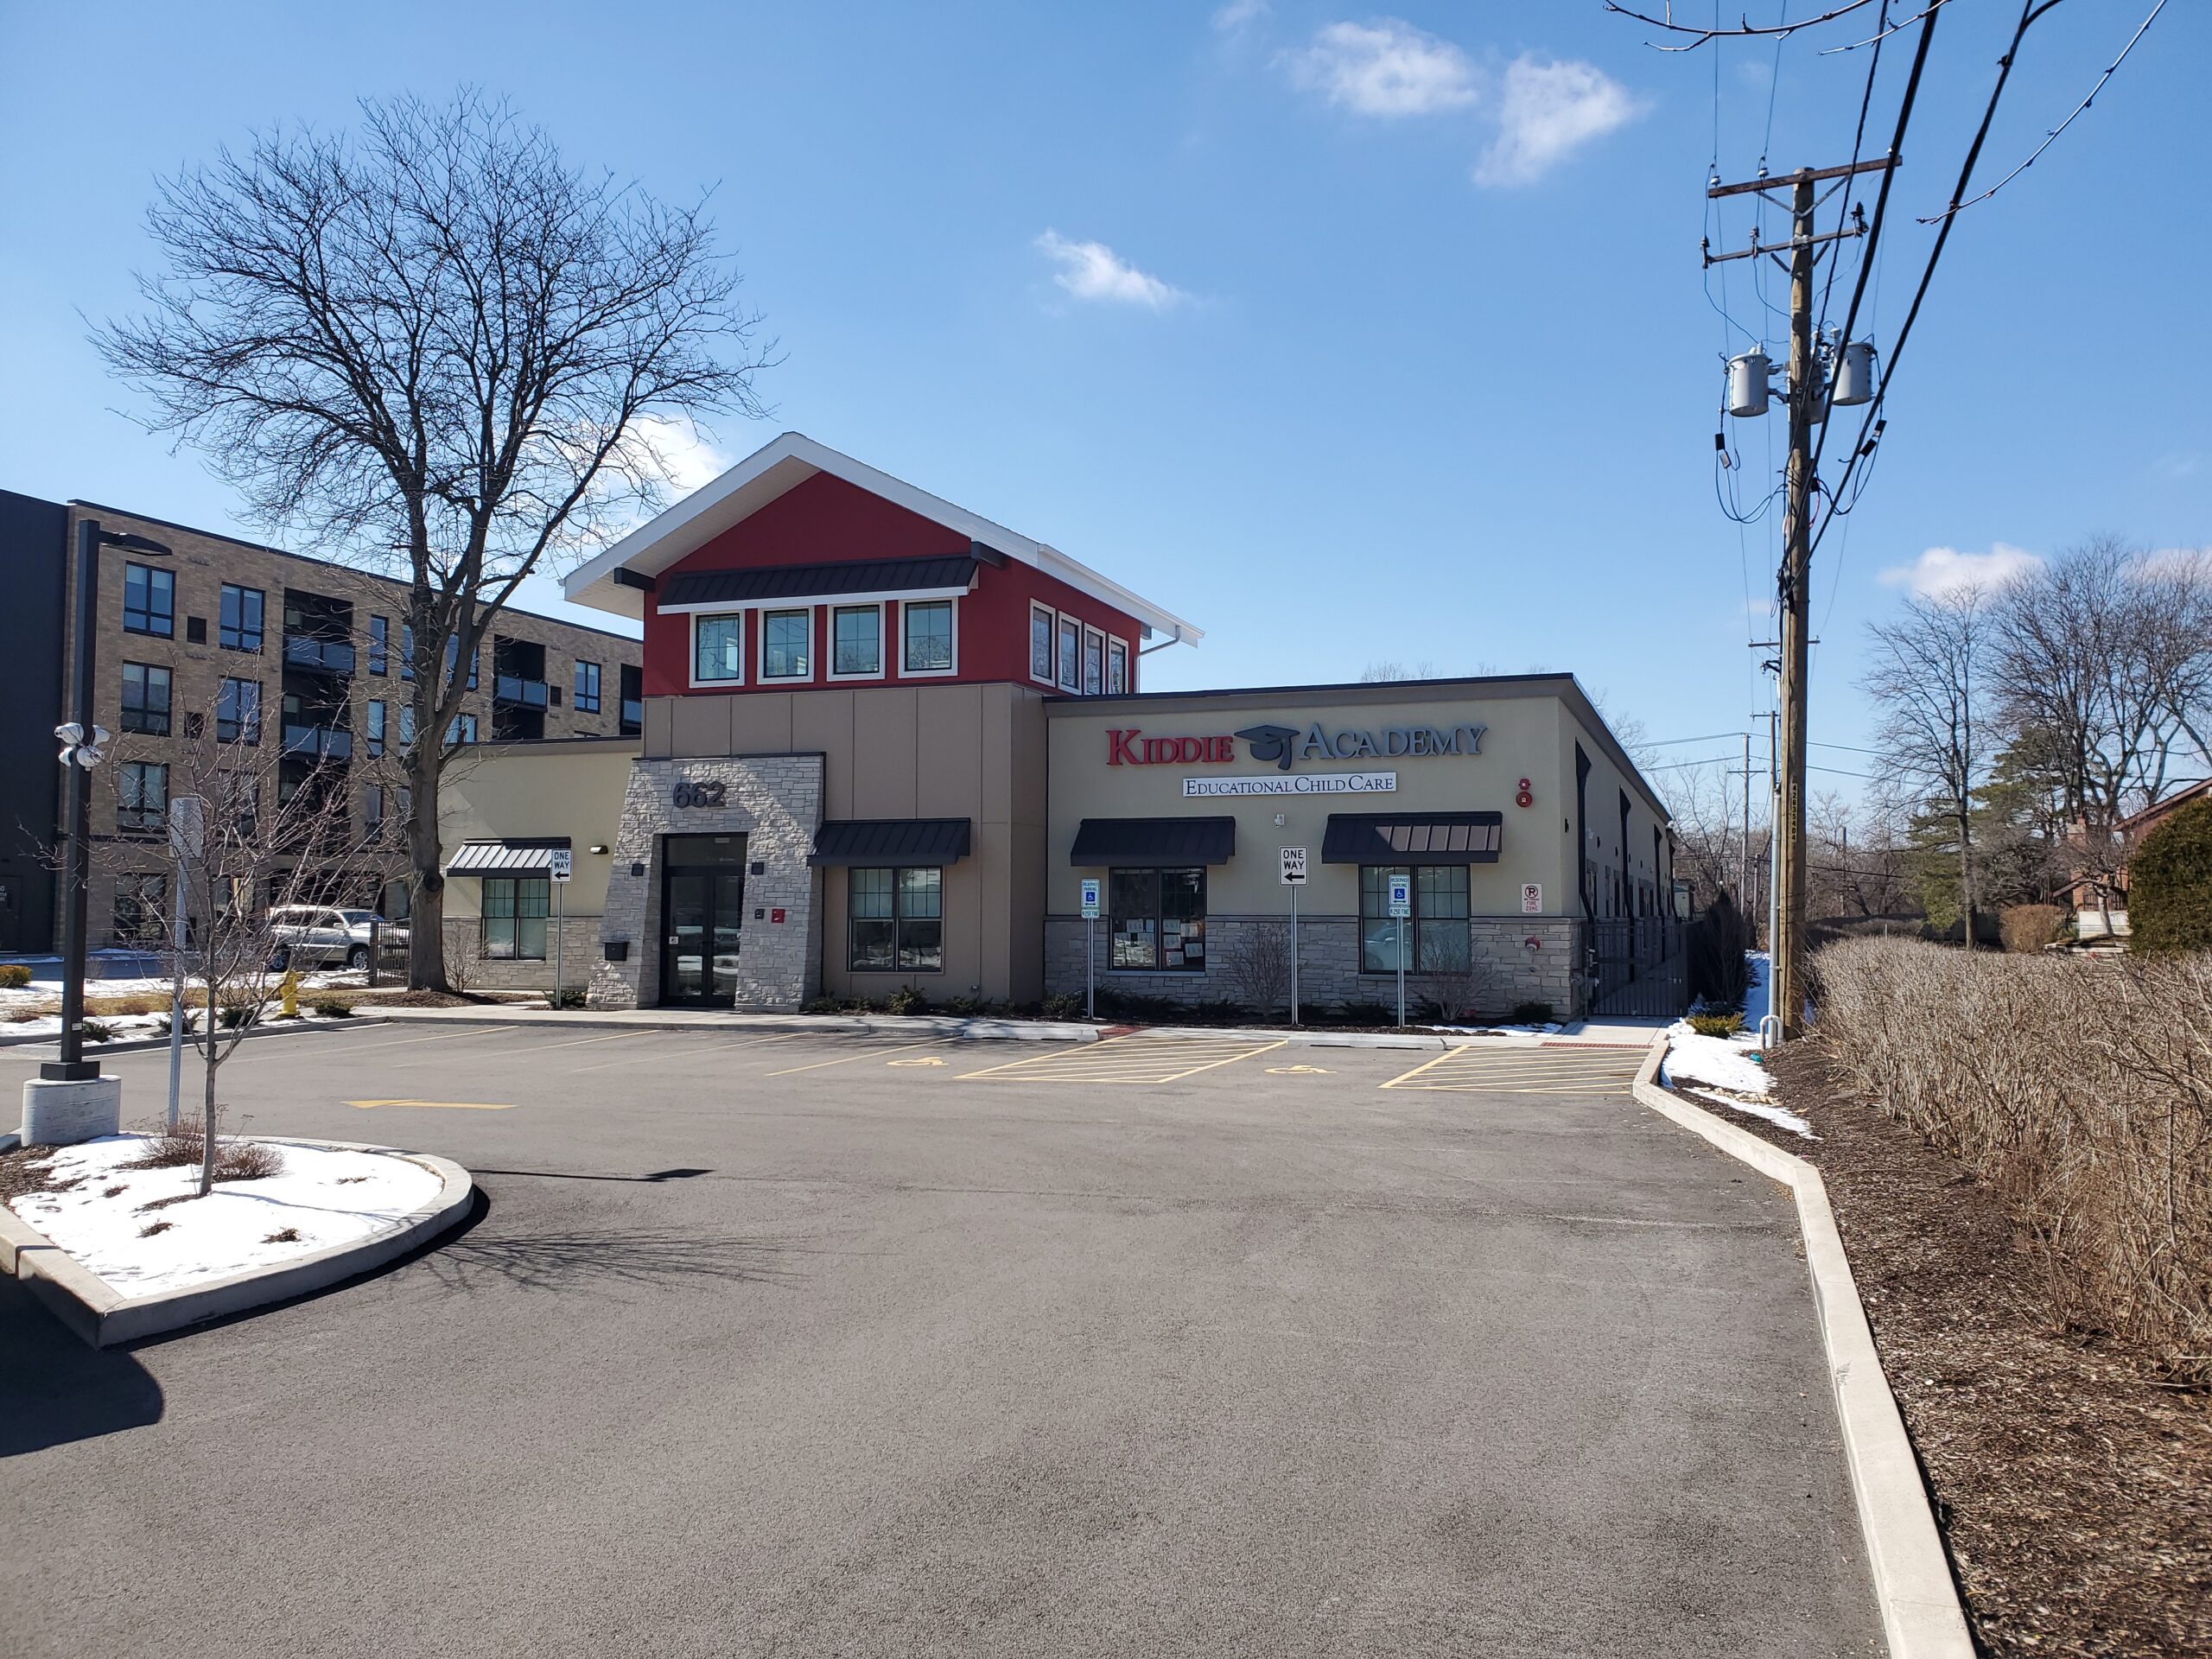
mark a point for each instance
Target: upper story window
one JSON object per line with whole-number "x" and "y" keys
{"x": 146, "y": 699}
{"x": 1094, "y": 661}
{"x": 452, "y": 655}
{"x": 240, "y": 626}
{"x": 587, "y": 689}
{"x": 786, "y": 639}
{"x": 238, "y": 711}
{"x": 380, "y": 644}
{"x": 1117, "y": 668}
{"x": 406, "y": 650}
{"x": 375, "y": 734}
{"x": 633, "y": 699}
{"x": 1070, "y": 654}
{"x": 927, "y": 628}
{"x": 856, "y": 639}
{"x": 142, "y": 795}
{"x": 1040, "y": 643}
{"x": 718, "y": 649}
{"x": 148, "y": 601}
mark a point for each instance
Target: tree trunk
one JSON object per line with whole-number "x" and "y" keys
{"x": 426, "y": 912}
{"x": 208, "y": 1115}
{"x": 1965, "y": 876}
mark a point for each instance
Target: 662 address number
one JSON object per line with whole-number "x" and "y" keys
{"x": 707, "y": 792}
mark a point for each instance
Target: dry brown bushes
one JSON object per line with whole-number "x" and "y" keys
{"x": 2080, "y": 1089}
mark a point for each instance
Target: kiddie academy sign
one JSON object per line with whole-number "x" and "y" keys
{"x": 1284, "y": 745}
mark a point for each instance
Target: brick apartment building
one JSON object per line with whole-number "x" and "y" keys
{"x": 276, "y": 649}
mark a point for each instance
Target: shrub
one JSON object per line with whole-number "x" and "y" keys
{"x": 2026, "y": 929}
{"x": 1716, "y": 1024}
{"x": 95, "y": 1032}
{"x": 568, "y": 996}
{"x": 1355, "y": 1011}
{"x": 2078, "y": 1089}
{"x": 1531, "y": 1014}
{"x": 191, "y": 1023}
{"x": 821, "y": 1005}
{"x": 236, "y": 1016}
{"x": 907, "y": 999}
{"x": 1717, "y": 943}
{"x": 333, "y": 1008}
{"x": 966, "y": 1007}
{"x": 1065, "y": 1005}
{"x": 15, "y": 975}
{"x": 1137, "y": 1005}
{"x": 1258, "y": 960}
{"x": 235, "y": 1160}
{"x": 2170, "y": 884}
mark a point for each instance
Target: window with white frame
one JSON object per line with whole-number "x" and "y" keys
{"x": 1094, "y": 661}
{"x": 927, "y": 627}
{"x": 718, "y": 647}
{"x": 856, "y": 639}
{"x": 1040, "y": 643}
{"x": 1117, "y": 668}
{"x": 1070, "y": 654}
{"x": 786, "y": 644}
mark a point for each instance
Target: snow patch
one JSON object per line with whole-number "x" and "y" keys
{"x": 1729, "y": 1063}
{"x": 327, "y": 1195}
{"x": 1779, "y": 1115}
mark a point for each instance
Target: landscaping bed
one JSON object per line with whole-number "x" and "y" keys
{"x": 2069, "y": 1468}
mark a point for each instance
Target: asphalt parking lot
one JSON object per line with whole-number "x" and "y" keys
{"x": 807, "y": 1345}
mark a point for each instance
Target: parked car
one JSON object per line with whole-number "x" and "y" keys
{"x": 317, "y": 936}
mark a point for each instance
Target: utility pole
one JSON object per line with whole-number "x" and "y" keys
{"x": 1807, "y": 402}
{"x": 1744, "y": 883}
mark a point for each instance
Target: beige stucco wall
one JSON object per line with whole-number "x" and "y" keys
{"x": 573, "y": 789}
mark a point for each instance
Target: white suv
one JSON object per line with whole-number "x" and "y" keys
{"x": 311, "y": 935}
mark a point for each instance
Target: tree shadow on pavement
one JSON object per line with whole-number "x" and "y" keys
{"x": 55, "y": 1389}
{"x": 585, "y": 1258}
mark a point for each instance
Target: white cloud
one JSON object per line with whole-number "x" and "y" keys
{"x": 674, "y": 451}
{"x": 1943, "y": 570}
{"x": 1091, "y": 270}
{"x": 1548, "y": 110}
{"x": 1386, "y": 67}
{"x": 1240, "y": 15}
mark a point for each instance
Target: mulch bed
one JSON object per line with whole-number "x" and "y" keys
{"x": 2072, "y": 1479}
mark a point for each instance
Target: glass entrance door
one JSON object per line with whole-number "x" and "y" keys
{"x": 703, "y": 916}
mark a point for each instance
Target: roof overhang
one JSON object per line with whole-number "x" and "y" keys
{"x": 613, "y": 580}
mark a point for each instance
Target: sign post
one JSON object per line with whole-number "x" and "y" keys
{"x": 1293, "y": 877}
{"x": 187, "y": 836}
{"x": 1090, "y": 947}
{"x": 1402, "y": 910}
{"x": 561, "y": 865}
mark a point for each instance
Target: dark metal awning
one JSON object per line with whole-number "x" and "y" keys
{"x": 1154, "y": 843}
{"x": 1411, "y": 838}
{"x": 799, "y": 584}
{"x": 517, "y": 856}
{"x": 890, "y": 840}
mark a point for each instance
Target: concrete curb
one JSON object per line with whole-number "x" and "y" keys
{"x": 1921, "y": 1615}
{"x": 300, "y": 1027}
{"x": 104, "y": 1316}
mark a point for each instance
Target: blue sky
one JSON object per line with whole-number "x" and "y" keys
{"x": 1348, "y": 336}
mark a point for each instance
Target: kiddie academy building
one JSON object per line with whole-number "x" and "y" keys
{"x": 885, "y": 742}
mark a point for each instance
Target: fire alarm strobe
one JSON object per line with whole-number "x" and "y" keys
{"x": 1523, "y": 797}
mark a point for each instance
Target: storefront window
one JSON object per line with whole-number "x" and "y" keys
{"x": 856, "y": 641}
{"x": 929, "y": 636}
{"x": 785, "y": 653}
{"x": 897, "y": 921}
{"x": 1437, "y": 931}
{"x": 1157, "y": 920}
{"x": 719, "y": 649}
{"x": 514, "y": 908}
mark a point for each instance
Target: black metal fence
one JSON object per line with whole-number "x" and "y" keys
{"x": 1634, "y": 969}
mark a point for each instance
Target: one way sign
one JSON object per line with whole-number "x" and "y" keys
{"x": 1293, "y": 867}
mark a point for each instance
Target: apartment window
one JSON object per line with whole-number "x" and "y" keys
{"x": 718, "y": 649}
{"x": 896, "y": 918}
{"x": 1433, "y": 940}
{"x": 452, "y": 655}
{"x": 514, "y": 908}
{"x": 406, "y": 650}
{"x": 142, "y": 795}
{"x": 587, "y": 697}
{"x": 239, "y": 628}
{"x": 238, "y": 711}
{"x": 406, "y": 725}
{"x": 785, "y": 653}
{"x": 148, "y": 601}
{"x": 1040, "y": 643}
{"x": 146, "y": 699}
{"x": 462, "y": 729}
{"x": 1070, "y": 654}
{"x": 140, "y": 898}
{"x": 241, "y": 794}
{"x": 856, "y": 639}
{"x": 1094, "y": 661}
{"x": 375, "y": 735}
{"x": 1117, "y": 668}
{"x": 372, "y": 813}
{"x": 1157, "y": 920}
{"x": 380, "y": 644}
{"x": 633, "y": 699}
{"x": 928, "y": 630}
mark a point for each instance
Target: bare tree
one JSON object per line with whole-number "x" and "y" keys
{"x": 1711, "y": 846}
{"x": 1858, "y": 865}
{"x": 1259, "y": 963}
{"x": 2102, "y": 677}
{"x": 1929, "y": 679}
{"x": 435, "y": 348}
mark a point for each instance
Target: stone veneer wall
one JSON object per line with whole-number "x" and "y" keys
{"x": 1328, "y": 962}
{"x": 775, "y": 802}
{"x": 579, "y": 950}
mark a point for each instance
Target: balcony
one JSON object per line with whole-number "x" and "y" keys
{"x": 323, "y": 656}
{"x": 512, "y": 688}
{"x": 318, "y": 743}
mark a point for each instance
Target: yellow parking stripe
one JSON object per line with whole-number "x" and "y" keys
{"x": 1134, "y": 1057}
{"x": 409, "y": 1042}
{"x": 1548, "y": 1071}
{"x": 534, "y": 1048}
{"x": 847, "y": 1059}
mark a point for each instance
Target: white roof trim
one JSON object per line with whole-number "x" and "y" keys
{"x": 781, "y": 465}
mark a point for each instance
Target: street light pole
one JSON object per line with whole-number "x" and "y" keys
{"x": 76, "y": 846}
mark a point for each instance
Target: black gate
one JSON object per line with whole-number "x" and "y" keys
{"x": 1635, "y": 969}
